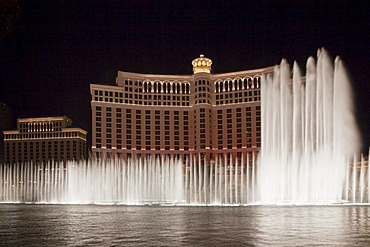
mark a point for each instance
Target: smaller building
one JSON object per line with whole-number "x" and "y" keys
{"x": 44, "y": 139}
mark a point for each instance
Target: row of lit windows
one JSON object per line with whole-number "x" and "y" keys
{"x": 138, "y": 113}
{"x": 227, "y": 86}
{"x": 148, "y": 88}
{"x": 44, "y": 135}
{"x": 139, "y": 99}
{"x": 40, "y": 126}
{"x": 163, "y": 87}
{"x": 202, "y": 82}
{"x": 156, "y": 86}
{"x": 175, "y": 100}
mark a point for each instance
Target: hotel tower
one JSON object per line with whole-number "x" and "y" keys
{"x": 203, "y": 115}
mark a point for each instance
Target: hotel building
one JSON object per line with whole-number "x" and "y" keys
{"x": 44, "y": 139}
{"x": 202, "y": 114}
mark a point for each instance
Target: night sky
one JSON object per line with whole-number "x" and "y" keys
{"x": 56, "y": 49}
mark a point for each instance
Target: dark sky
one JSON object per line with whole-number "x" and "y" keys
{"x": 57, "y": 48}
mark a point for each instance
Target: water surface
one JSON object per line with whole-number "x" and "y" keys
{"x": 94, "y": 225}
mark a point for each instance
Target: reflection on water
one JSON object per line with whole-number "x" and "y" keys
{"x": 87, "y": 225}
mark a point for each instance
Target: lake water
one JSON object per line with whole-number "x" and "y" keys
{"x": 98, "y": 225}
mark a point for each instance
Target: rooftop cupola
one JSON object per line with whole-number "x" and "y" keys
{"x": 201, "y": 64}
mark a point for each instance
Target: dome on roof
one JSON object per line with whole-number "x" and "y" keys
{"x": 201, "y": 64}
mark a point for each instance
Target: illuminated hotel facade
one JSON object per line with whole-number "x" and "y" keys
{"x": 204, "y": 114}
{"x": 44, "y": 139}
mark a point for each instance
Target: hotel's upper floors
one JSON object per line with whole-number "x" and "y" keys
{"x": 182, "y": 90}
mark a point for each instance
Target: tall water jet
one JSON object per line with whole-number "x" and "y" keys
{"x": 309, "y": 133}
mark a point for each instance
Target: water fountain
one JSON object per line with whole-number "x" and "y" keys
{"x": 309, "y": 133}
{"x": 309, "y": 138}
{"x": 111, "y": 182}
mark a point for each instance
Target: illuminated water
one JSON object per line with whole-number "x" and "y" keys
{"x": 92, "y": 225}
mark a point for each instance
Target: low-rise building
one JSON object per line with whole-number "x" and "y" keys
{"x": 44, "y": 139}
